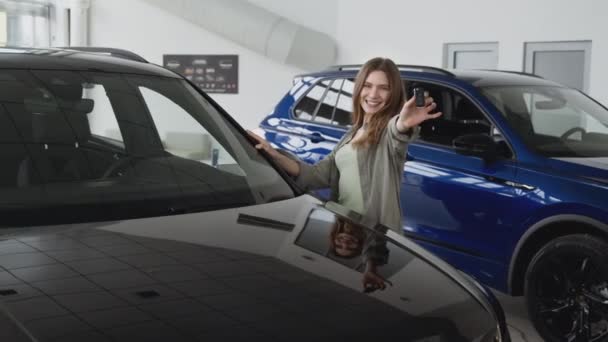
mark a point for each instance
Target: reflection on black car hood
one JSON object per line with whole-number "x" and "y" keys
{"x": 206, "y": 277}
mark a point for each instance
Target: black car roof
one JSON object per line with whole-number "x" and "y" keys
{"x": 66, "y": 59}
{"x": 478, "y": 78}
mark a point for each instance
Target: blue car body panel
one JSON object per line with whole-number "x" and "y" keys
{"x": 474, "y": 214}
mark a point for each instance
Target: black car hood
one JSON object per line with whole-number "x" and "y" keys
{"x": 239, "y": 274}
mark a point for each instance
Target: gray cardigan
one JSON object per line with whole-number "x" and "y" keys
{"x": 380, "y": 170}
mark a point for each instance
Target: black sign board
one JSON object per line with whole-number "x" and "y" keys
{"x": 211, "y": 73}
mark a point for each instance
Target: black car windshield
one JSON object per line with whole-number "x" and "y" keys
{"x": 104, "y": 146}
{"x": 554, "y": 121}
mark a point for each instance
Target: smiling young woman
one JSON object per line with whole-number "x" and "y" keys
{"x": 365, "y": 168}
{"x": 380, "y": 95}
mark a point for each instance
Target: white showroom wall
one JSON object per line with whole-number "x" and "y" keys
{"x": 408, "y": 31}
{"x": 152, "y": 32}
{"x": 320, "y": 15}
{"x": 414, "y": 32}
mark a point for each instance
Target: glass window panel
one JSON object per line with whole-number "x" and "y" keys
{"x": 326, "y": 108}
{"x": 344, "y": 107}
{"x": 102, "y": 119}
{"x": 565, "y": 67}
{"x": 305, "y": 109}
{"x": 471, "y": 55}
{"x": 567, "y": 62}
{"x": 475, "y": 59}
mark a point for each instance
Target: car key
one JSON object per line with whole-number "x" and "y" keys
{"x": 419, "y": 95}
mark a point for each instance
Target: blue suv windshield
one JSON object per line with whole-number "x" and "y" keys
{"x": 554, "y": 121}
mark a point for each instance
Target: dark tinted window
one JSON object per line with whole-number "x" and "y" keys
{"x": 12, "y": 150}
{"x": 460, "y": 116}
{"x": 84, "y": 146}
{"x": 8, "y": 130}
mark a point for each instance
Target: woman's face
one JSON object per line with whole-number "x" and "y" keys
{"x": 346, "y": 244}
{"x": 375, "y": 93}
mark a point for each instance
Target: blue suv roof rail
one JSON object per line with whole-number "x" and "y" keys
{"x": 108, "y": 51}
{"x": 405, "y": 67}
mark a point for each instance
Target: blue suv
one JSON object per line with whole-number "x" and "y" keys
{"x": 510, "y": 185}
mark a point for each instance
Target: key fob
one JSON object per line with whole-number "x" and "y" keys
{"x": 419, "y": 95}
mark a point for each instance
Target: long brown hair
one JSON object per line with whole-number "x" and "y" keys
{"x": 378, "y": 121}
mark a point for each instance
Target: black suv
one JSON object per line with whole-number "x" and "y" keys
{"x": 134, "y": 208}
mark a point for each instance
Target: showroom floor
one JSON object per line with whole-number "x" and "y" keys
{"x": 520, "y": 327}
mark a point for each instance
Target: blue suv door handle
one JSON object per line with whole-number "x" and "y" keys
{"x": 315, "y": 137}
{"x": 510, "y": 183}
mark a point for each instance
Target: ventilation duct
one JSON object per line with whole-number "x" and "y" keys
{"x": 27, "y": 23}
{"x": 257, "y": 29}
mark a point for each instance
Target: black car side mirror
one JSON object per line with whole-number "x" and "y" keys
{"x": 477, "y": 145}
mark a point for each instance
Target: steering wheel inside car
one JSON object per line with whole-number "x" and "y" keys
{"x": 572, "y": 131}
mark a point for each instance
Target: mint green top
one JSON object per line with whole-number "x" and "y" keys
{"x": 349, "y": 185}
{"x": 380, "y": 169}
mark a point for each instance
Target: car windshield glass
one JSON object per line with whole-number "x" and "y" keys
{"x": 132, "y": 145}
{"x": 554, "y": 121}
{"x": 191, "y": 128}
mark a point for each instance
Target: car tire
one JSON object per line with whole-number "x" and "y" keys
{"x": 566, "y": 289}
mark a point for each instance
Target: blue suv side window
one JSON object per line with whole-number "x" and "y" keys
{"x": 460, "y": 116}
{"x": 328, "y": 102}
